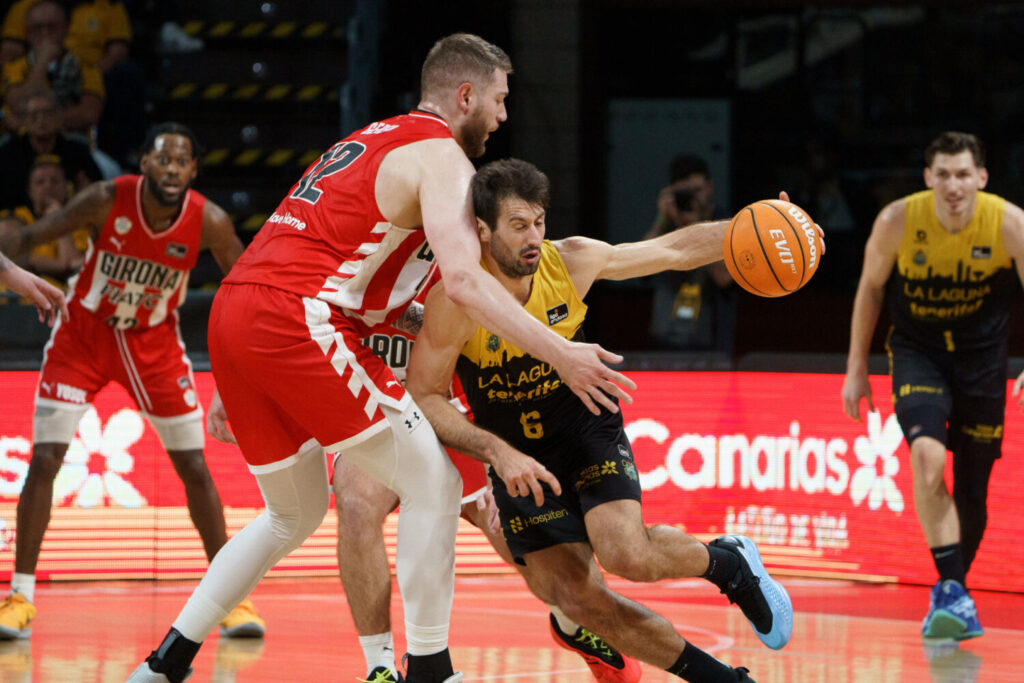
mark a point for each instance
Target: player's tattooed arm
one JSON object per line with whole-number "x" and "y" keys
{"x": 87, "y": 209}
{"x": 411, "y": 320}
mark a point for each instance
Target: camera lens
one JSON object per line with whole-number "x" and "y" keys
{"x": 684, "y": 199}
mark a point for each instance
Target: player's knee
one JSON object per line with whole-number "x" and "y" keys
{"x": 191, "y": 467}
{"x": 625, "y": 562}
{"x": 358, "y": 514}
{"x": 293, "y": 524}
{"x": 46, "y": 460}
{"x": 929, "y": 468}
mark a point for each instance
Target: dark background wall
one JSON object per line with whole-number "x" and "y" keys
{"x": 825, "y": 101}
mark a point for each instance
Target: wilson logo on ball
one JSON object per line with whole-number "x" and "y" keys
{"x": 772, "y": 248}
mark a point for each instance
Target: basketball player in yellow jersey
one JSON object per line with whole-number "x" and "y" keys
{"x": 556, "y": 525}
{"x": 955, "y": 249}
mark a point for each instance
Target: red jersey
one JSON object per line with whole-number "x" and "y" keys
{"x": 134, "y": 277}
{"x": 328, "y": 240}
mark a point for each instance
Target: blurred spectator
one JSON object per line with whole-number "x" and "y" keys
{"x": 48, "y": 191}
{"x": 12, "y": 34}
{"x": 40, "y": 113}
{"x": 77, "y": 84}
{"x": 815, "y": 187}
{"x": 101, "y": 35}
{"x": 692, "y": 310}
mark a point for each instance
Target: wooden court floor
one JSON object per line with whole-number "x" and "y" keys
{"x": 844, "y": 632}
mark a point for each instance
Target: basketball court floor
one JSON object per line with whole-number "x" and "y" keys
{"x": 844, "y": 632}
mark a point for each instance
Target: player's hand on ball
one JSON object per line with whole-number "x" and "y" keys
{"x": 772, "y": 247}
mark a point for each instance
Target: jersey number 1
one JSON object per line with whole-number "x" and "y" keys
{"x": 337, "y": 158}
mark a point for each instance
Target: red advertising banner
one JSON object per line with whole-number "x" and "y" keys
{"x": 773, "y": 456}
{"x": 768, "y": 455}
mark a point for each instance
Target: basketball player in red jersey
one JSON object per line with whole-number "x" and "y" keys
{"x": 344, "y": 253}
{"x": 146, "y": 233}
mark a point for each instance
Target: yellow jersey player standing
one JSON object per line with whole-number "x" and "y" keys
{"x": 954, "y": 249}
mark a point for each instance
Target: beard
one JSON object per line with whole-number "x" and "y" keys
{"x": 474, "y": 134}
{"x": 162, "y": 198}
{"x": 512, "y": 265}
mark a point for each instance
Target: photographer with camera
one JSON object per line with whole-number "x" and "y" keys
{"x": 692, "y": 310}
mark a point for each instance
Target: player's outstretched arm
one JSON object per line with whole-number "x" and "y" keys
{"x": 879, "y": 257}
{"x": 446, "y": 328}
{"x": 684, "y": 248}
{"x": 49, "y": 300}
{"x": 87, "y": 209}
{"x": 448, "y": 219}
{"x": 219, "y": 237}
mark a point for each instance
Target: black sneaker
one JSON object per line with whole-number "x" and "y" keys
{"x": 765, "y": 603}
{"x": 382, "y": 674}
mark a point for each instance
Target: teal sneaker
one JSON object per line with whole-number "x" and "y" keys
{"x": 952, "y": 614}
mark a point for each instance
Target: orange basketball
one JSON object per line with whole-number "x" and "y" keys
{"x": 772, "y": 248}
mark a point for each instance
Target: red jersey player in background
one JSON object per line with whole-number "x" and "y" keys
{"x": 145, "y": 235}
{"x": 344, "y": 254}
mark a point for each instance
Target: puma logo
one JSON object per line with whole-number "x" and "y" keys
{"x": 117, "y": 243}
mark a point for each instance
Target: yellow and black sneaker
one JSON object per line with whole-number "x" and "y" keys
{"x": 243, "y": 622}
{"x": 607, "y": 665}
{"x": 16, "y": 615}
{"x": 382, "y": 674}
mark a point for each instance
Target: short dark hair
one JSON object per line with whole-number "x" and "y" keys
{"x": 954, "y": 142}
{"x": 507, "y": 179}
{"x": 458, "y": 58}
{"x": 169, "y": 128}
{"x": 686, "y": 165}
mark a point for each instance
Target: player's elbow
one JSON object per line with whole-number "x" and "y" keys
{"x": 461, "y": 286}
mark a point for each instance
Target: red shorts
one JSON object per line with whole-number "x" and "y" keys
{"x": 84, "y": 354}
{"x": 291, "y": 370}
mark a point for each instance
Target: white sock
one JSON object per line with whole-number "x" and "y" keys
{"x": 24, "y": 584}
{"x": 565, "y": 624}
{"x": 378, "y": 650}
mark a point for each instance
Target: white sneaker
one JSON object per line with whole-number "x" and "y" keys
{"x": 144, "y": 674}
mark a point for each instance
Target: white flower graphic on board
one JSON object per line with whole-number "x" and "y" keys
{"x": 868, "y": 482}
{"x": 89, "y": 488}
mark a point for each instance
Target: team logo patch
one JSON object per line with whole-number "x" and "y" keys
{"x": 413, "y": 420}
{"x": 190, "y": 398}
{"x": 177, "y": 250}
{"x": 492, "y": 343}
{"x": 183, "y": 383}
{"x": 981, "y": 252}
{"x": 920, "y": 258}
{"x": 558, "y": 313}
{"x": 630, "y": 470}
{"x": 122, "y": 224}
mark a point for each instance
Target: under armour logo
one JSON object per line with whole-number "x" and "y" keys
{"x": 413, "y": 421}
